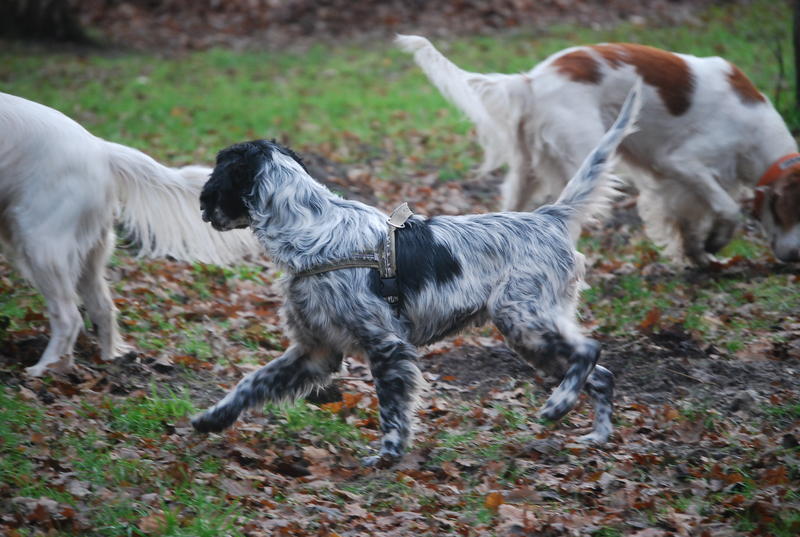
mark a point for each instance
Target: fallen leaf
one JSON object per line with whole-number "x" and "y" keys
{"x": 493, "y": 500}
{"x": 153, "y": 524}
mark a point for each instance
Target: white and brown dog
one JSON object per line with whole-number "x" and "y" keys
{"x": 706, "y": 136}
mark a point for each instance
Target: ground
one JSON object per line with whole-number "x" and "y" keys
{"x": 707, "y": 409}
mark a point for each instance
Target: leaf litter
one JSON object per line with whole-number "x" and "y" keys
{"x": 706, "y": 439}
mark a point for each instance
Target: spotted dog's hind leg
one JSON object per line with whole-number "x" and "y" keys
{"x": 289, "y": 377}
{"x": 600, "y": 387}
{"x": 582, "y": 360}
{"x": 544, "y": 336}
{"x": 397, "y": 381}
{"x": 546, "y": 353}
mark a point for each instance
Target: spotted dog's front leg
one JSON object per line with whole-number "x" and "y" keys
{"x": 292, "y": 375}
{"x": 397, "y": 382}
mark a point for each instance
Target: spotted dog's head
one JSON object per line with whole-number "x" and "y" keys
{"x": 226, "y": 198}
{"x": 780, "y": 216}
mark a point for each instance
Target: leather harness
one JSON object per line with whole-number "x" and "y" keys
{"x": 383, "y": 257}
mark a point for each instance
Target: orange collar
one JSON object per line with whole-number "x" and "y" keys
{"x": 778, "y": 169}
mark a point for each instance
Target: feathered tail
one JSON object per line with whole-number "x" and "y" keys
{"x": 468, "y": 92}
{"x": 160, "y": 207}
{"x": 591, "y": 189}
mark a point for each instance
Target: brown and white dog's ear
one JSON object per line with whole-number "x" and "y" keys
{"x": 786, "y": 201}
{"x": 756, "y": 201}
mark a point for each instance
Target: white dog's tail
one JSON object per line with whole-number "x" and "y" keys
{"x": 592, "y": 188}
{"x": 160, "y": 207}
{"x": 466, "y": 91}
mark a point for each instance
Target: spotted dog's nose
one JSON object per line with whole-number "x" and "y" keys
{"x": 204, "y": 211}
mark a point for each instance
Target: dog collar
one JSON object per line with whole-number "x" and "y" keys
{"x": 383, "y": 258}
{"x": 778, "y": 169}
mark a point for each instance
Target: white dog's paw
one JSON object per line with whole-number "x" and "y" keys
{"x": 35, "y": 370}
{"x": 62, "y": 366}
{"x": 411, "y": 43}
{"x": 121, "y": 349}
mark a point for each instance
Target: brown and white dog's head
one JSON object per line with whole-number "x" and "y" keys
{"x": 777, "y": 206}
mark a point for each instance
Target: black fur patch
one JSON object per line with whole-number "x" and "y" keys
{"x": 420, "y": 259}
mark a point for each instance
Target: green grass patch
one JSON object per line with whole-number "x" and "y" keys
{"x": 145, "y": 416}
{"x": 300, "y": 419}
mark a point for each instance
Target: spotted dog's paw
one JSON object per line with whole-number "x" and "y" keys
{"x": 594, "y": 438}
{"x": 209, "y": 422}
{"x": 381, "y": 461}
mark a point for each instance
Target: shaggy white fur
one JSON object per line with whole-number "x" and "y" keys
{"x": 60, "y": 191}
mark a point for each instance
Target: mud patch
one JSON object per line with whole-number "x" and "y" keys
{"x": 478, "y": 369}
{"x": 668, "y": 367}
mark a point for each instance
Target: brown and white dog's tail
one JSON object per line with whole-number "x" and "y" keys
{"x": 475, "y": 94}
{"x": 591, "y": 190}
{"x": 160, "y": 208}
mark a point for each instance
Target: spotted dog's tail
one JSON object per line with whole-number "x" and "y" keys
{"x": 592, "y": 188}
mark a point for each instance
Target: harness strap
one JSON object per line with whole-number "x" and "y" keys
{"x": 778, "y": 169}
{"x": 365, "y": 261}
{"x": 384, "y": 258}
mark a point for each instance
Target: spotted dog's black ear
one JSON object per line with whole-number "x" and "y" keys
{"x": 232, "y": 180}
{"x": 239, "y": 164}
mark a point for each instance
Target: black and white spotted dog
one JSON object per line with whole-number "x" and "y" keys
{"x": 519, "y": 270}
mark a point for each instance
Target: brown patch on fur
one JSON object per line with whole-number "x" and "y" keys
{"x": 786, "y": 201}
{"x": 742, "y": 86}
{"x": 579, "y": 66}
{"x": 665, "y": 71}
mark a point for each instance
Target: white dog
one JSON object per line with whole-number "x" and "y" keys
{"x": 60, "y": 191}
{"x": 705, "y": 135}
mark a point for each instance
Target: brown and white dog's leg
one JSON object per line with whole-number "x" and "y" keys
{"x": 698, "y": 242}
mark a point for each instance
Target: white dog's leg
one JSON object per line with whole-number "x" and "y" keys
{"x": 560, "y": 151}
{"x": 94, "y": 292}
{"x": 518, "y": 188}
{"x": 56, "y": 281}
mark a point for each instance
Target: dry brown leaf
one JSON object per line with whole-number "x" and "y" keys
{"x": 153, "y": 524}
{"x": 493, "y": 500}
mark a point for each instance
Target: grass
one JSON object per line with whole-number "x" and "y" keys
{"x": 351, "y": 103}
{"x": 92, "y": 459}
{"x": 302, "y": 418}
